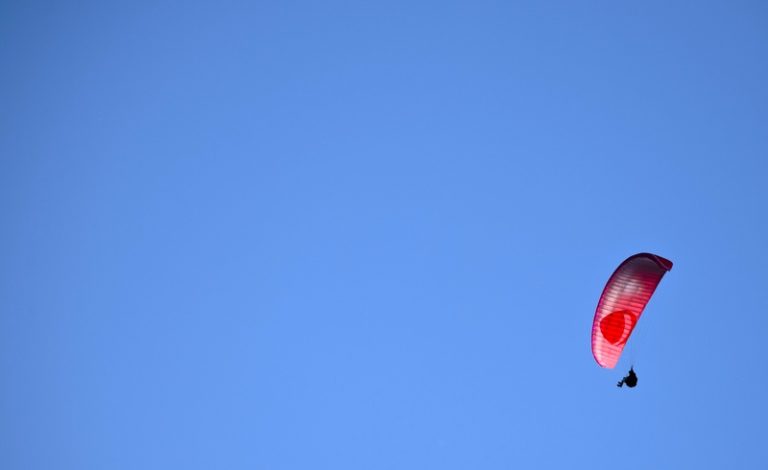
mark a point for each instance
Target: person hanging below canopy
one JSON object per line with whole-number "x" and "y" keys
{"x": 630, "y": 380}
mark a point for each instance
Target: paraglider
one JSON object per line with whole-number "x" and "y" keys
{"x": 630, "y": 380}
{"x": 624, "y": 298}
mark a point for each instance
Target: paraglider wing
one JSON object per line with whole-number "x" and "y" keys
{"x": 625, "y": 295}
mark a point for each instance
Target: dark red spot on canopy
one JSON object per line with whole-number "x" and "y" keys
{"x": 617, "y": 326}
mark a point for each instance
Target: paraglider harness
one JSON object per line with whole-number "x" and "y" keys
{"x": 630, "y": 379}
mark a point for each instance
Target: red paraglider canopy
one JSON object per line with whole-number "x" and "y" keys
{"x": 625, "y": 295}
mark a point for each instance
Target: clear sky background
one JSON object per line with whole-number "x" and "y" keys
{"x": 372, "y": 235}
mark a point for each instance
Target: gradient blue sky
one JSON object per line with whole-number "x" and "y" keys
{"x": 372, "y": 235}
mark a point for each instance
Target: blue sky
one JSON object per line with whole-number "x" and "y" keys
{"x": 372, "y": 235}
